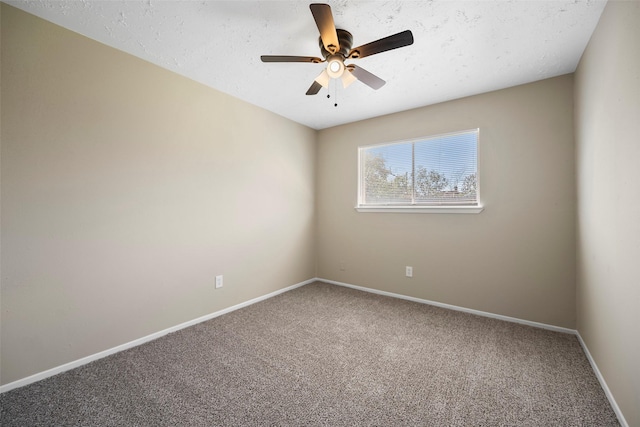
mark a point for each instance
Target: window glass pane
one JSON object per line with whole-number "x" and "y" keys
{"x": 445, "y": 169}
{"x": 388, "y": 174}
{"x": 437, "y": 171}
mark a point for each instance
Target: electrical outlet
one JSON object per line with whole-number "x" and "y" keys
{"x": 343, "y": 266}
{"x": 219, "y": 281}
{"x": 408, "y": 271}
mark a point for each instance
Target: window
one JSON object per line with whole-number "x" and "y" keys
{"x": 432, "y": 174}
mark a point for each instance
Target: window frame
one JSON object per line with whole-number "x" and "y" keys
{"x": 418, "y": 208}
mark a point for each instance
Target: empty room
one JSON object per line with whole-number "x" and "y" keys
{"x": 398, "y": 213}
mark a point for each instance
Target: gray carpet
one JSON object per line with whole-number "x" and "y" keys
{"x": 328, "y": 355}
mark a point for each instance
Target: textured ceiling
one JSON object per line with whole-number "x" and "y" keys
{"x": 461, "y": 48}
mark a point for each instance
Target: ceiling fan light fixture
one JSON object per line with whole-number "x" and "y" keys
{"x": 335, "y": 67}
{"x": 347, "y": 79}
{"x": 323, "y": 79}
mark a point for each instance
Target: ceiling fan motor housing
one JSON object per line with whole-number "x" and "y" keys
{"x": 344, "y": 38}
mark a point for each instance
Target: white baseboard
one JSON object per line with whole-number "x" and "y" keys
{"x": 603, "y": 383}
{"x": 83, "y": 361}
{"x": 455, "y": 307}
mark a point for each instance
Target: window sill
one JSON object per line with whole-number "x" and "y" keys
{"x": 422, "y": 209}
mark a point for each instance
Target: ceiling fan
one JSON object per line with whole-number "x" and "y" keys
{"x": 335, "y": 46}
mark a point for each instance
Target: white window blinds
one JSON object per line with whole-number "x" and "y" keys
{"x": 433, "y": 171}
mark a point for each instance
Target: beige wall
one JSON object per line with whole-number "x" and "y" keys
{"x": 516, "y": 258}
{"x": 126, "y": 189}
{"x": 607, "y": 130}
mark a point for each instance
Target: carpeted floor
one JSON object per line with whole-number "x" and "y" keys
{"x": 327, "y": 355}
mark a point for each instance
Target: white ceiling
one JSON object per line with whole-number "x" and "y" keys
{"x": 461, "y": 48}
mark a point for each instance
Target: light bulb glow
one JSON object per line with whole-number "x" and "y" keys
{"x": 335, "y": 68}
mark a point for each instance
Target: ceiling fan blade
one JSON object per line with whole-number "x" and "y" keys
{"x": 366, "y": 77}
{"x": 314, "y": 89}
{"x": 404, "y": 38}
{"x": 324, "y": 20}
{"x": 288, "y": 58}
